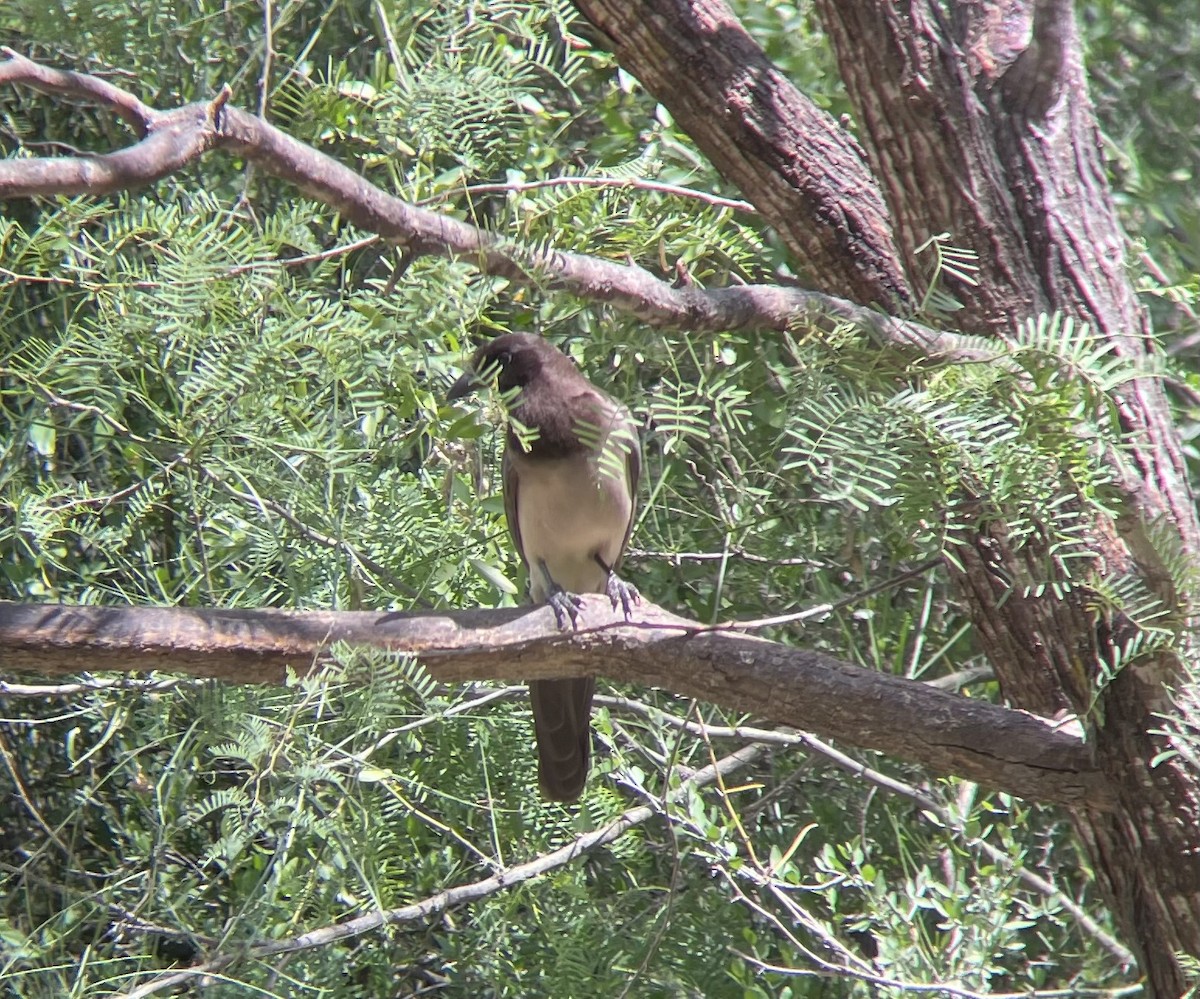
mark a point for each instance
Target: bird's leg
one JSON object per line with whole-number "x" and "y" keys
{"x": 565, "y": 605}
{"x": 619, "y": 591}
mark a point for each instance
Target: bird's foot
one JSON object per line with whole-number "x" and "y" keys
{"x": 623, "y": 593}
{"x": 565, "y": 606}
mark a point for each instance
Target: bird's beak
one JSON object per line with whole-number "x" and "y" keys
{"x": 462, "y": 388}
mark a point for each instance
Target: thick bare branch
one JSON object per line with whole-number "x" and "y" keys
{"x": 946, "y": 733}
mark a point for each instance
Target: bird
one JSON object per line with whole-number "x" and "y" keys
{"x": 570, "y": 476}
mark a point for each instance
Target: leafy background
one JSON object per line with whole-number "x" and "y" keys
{"x": 215, "y": 393}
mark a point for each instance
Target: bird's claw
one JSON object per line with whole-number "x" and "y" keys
{"x": 565, "y": 605}
{"x": 623, "y": 593}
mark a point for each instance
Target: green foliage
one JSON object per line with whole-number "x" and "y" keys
{"x": 1141, "y": 65}
{"x": 946, "y": 260}
{"x": 215, "y": 394}
{"x": 970, "y": 444}
{"x": 1142, "y": 59}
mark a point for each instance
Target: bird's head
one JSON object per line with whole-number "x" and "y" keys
{"x": 511, "y": 361}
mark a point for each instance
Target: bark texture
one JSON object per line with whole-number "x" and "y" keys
{"x": 975, "y": 120}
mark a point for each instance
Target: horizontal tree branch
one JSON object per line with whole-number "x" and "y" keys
{"x": 180, "y": 136}
{"x": 944, "y": 732}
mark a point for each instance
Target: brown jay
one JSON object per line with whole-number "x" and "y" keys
{"x": 570, "y": 472}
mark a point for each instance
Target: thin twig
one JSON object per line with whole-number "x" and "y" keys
{"x": 611, "y": 182}
{"x": 59, "y": 402}
{"x": 89, "y": 686}
{"x": 23, "y": 794}
{"x": 675, "y": 558}
{"x": 833, "y": 971}
{"x": 311, "y": 533}
{"x": 462, "y": 894}
{"x": 1030, "y": 878}
{"x": 788, "y": 737}
{"x": 307, "y": 258}
{"x": 821, "y": 610}
{"x": 264, "y": 80}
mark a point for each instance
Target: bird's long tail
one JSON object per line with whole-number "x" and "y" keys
{"x": 562, "y": 712}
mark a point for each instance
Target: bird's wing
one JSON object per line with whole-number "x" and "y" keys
{"x": 508, "y": 475}
{"x": 633, "y": 473}
{"x": 613, "y": 425}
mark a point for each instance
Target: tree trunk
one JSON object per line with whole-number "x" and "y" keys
{"x": 976, "y": 122}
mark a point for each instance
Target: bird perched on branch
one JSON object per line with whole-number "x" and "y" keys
{"x": 571, "y": 467}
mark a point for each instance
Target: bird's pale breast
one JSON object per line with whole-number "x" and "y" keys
{"x": 571, "y": 509}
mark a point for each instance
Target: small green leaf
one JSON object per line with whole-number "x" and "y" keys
{"x": 43, "y": 437}
{"x": 494, "y": 576}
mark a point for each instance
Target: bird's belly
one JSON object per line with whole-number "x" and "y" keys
{"x": 569, "y": 512}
